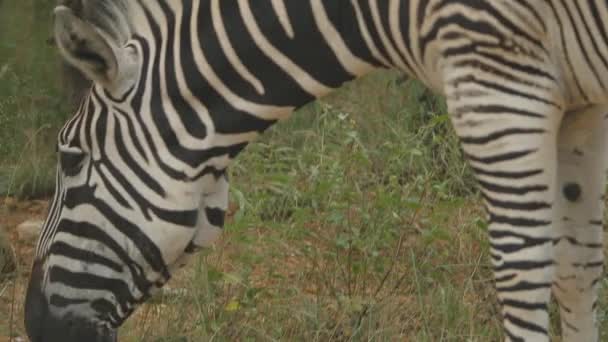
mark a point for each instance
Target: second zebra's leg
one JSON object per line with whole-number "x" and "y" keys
{"x": 509, "y": 139}
{"x": 579, "y": 210}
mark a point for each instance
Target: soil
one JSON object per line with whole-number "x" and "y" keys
{"x": 12, "y": 286}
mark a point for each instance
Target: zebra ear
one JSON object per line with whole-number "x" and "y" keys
{"x": 86, "y": 47}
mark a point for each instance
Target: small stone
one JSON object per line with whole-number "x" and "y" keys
{"x": 29, "y": 230}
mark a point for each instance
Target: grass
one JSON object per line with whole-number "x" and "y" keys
{"x": 355, "y": 220}
{"x": 352, "y": 221}
{"x": 31, "y": 109}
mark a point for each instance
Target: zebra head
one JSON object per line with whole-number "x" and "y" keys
{"x": 135, "y": 191}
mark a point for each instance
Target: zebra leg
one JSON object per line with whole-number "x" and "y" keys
{"x": 579, "y": 211}
{"x": 510, "y": 142}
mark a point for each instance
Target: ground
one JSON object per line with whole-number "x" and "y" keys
{"x": 264, "y": 283}
{"x": 12, "y": 213}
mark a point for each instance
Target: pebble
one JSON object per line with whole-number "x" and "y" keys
{"x": 29, "y": 230}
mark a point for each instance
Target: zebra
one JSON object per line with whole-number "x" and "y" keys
{"x": 181, "y": 87}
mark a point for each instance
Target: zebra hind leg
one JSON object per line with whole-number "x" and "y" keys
{"x": 510, "y": 143}
{"x": 579, "y": 210}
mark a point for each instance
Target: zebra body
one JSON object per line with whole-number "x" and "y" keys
{"x": 181, "y": 87}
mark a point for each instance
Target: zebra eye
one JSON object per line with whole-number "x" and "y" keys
{"x": 71, "y": 160}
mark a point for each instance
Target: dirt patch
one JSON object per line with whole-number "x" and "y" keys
{"x": 12, "y": 287}
{"x": 14, "y": 212}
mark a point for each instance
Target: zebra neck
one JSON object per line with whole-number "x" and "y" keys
{"x": 280, "y": 52}
{"x": 241, "y": 66}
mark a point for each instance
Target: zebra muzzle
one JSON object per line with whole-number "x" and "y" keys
{"x": 43, "y": 326}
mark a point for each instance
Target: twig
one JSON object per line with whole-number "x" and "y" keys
{"x": 398, "y": 251}
{"x": 419, "y": 293}
{"x": 3, "y": 70}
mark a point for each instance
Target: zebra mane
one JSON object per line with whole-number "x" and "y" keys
{"x": 108, "y": 15}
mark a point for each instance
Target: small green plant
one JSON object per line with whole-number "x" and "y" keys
{"x": 31, "y": 100}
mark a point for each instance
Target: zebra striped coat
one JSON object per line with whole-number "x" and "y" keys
{"x": 181, "y": 87}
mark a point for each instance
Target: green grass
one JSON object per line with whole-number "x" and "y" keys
{"x": 31, "y": 109}
{"x": 354, "y": 221}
